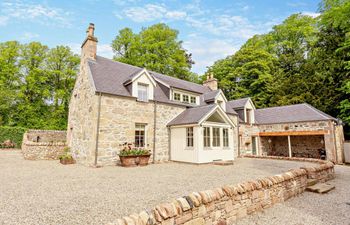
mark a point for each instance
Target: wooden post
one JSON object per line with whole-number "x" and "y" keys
{"x": 289, "y": 146}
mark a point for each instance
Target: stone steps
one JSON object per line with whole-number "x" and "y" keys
{"x": 320, "y": 188}
{"x": 311, "y": 182}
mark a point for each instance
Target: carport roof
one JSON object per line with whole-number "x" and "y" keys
{"x": 290, "y": 113}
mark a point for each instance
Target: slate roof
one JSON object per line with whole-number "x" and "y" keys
{"x": 192, "y": 115}
{"x": 291, "y": 113}
{"x": 238, "y": 103}
{"x": 210, "y": 96}
{"x": 109, "y": 77}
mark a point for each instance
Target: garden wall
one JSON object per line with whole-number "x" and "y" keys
{"x": 43, "y": 144}
{"x": 227, "y": 204}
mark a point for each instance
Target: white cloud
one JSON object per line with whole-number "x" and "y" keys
{"x": 151, "y": 12}
{"x": 312, "y": 14}
{"x": 204, "y": 57}
{"x": 35, "y": 12}
{"x": 3, "y": 20}
{"x": 29, "y": 36}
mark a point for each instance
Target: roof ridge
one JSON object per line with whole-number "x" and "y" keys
{"x": 272, "y": 107}
{"x": 193, "y": 83}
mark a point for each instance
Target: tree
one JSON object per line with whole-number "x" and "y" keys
{"x": 10, "y": 79}
{"x": 156, "y": 48}
{"x": 62, "y": 66}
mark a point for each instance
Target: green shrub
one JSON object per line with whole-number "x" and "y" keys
{"x": 66, "y": 154}
{"x": 15, "y": 134}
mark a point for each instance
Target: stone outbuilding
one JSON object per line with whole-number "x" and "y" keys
{"x": 114, "y": 104}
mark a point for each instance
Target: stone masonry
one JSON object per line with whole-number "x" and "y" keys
{"x": 229, "y": 203}
{"x": 43, "y": 144}
{"x": 117, "y": 126}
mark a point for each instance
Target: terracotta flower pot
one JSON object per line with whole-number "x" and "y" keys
{"x": 128, "y": 161}
{"x": 143, "y": 160}
{"x": 67, "y": 161}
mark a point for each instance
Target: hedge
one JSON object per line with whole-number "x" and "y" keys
{"x": 15, "y": 134}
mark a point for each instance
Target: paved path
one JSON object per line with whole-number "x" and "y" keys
{"x": 46, "y": 192}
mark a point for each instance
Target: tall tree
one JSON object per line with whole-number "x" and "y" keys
{"x": 61, "y": 66}
{"x": 156, "y": 48}
{"x": 10, "y": 79}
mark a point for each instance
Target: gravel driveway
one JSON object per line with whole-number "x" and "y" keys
{"x": 46, "y": 192}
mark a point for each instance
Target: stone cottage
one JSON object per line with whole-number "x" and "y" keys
{"x": 115, "y": 103}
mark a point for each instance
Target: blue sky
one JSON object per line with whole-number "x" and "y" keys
{"x": 210, "y": 29}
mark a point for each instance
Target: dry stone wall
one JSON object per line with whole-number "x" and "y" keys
{"x": 43, "y": 144}
{"x": 231, "y": 202}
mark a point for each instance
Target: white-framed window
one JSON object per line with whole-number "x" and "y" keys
{"x": 177, "y": 96}
{"x": 185, "y": 98}
{"x": 189, "y": 136}
{"x": 140, "y": 135}
{"x": 142, "y": 92}
{"x": 225, "y": 137}
{"x": 206, "y": 136}
{"x": 193, "y": 100}
{"x": 216, "y": 137}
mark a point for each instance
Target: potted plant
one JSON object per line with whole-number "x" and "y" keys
{"x": 66, "y": 157}
{"x": 131, "y": 157}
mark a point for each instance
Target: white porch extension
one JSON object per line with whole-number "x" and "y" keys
{"x": 207, "y": 138}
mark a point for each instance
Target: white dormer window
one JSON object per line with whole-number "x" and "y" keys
{"x": 185, "y": 97}
{"x": 142, "y": 92}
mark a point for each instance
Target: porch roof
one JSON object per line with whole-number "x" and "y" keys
{"x": 192, "y": 115}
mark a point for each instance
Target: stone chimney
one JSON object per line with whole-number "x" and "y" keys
{"x": 89, "y": 46}
{"x": 211, "y": 82}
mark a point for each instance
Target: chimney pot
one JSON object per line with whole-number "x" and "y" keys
{"x": 211, "y": 82}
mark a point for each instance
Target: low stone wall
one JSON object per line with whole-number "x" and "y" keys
{"x": 43, "y": 144}
{"x": 227, "y": 204}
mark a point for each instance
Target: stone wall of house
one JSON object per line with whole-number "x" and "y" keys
{"x": 246, "y": 132}
{"x": 43, "y": 144}
{"x": 231, "y": 202}
{"x": 339, "y": 140}
{"x": 117, "y": 126}
{"x": 82, "y": 119}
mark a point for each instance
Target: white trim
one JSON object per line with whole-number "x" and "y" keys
{"x": 165, "y": 84}
{"x": 221, "y": 112}
{"x": 143, "y": 71}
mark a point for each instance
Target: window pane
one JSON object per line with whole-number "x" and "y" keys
{"x": 185, "y": 98}
{"x": 140, "y": 135}
{"x": 177, "y": 97}
{"x": 142, "y": 92}
{"x": 225, "y": 137}
{"x": 206, "y": 137}
{"x": 189, "y": 136}
{"x": 193, "y": 100}
{"x": 216, "y": 137}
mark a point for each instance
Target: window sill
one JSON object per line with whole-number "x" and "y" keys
{"x": 138, "y": 100}
{"x": 189, "y": 148}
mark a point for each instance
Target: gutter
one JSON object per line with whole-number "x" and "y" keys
{"x": 97, "y": 127}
